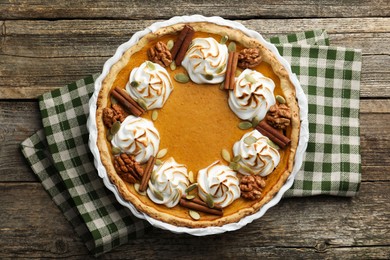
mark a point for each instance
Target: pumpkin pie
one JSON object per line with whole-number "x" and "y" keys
{"x": 198, "y": 125}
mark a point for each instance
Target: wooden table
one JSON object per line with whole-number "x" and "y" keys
{"x": 45, "y": 46}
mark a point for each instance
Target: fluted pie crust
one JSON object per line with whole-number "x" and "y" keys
{"x": 178, "y": 215}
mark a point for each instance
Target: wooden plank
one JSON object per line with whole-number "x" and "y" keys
{"x": 265, "y": 26}
{"x": 19, "y": 120}
{"x": 374, "y": 106}
{"x": 37, "y": 56}
{"x": 326, "y": 227}
{"x": 26, "y": 77}
{"x": 375, "y": 173}
{"x": 375, "y": 142}
{"x": 375, "y": 139}
{"x": 20, "y": 73}
{"x": 34, "y": 226}
{"x": 162, "y": 9}
{"x": 101, "y": 37}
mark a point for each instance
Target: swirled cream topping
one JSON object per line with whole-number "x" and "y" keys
{"x": 257, "y": 156}
{"x": 219, "y": 181}
{"x": 252, "y": 96}
{"x": 206, "y": 60}
{"x": 150, "y": 82}
{"x": 137, "y": 136}
{"x": 167, "y": 183}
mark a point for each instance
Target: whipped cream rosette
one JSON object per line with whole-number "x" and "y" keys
{"x": 206, "y": 60}
{"x": 252, "y": 96}
{"x": 168, "y": 182}
{"x": 151, "y": 83}
{"x": 137, "y": 136}
{"x": 220, "y": 182}
{"x": 257, "y": 156}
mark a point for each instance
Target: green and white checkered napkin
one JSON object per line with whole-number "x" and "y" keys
{"x": 59, "y": 154}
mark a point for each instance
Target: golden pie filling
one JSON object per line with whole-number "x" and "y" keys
{"x": 214, "y": 130}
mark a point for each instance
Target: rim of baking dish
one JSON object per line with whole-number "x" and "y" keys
{"x": 303, "y": 136}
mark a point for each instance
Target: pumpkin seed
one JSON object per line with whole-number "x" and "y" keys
{"x": 115, "y": 127}
{"x": 191, "y": 177}
{"x": 209, "y": 201}
{"x": 182, "y": 78}
{"x": 158, "y": 162}
{"x": 109, "y": 136}
{"x": 220, "y": 69}
{"x": 177, "y": 196}
{"x": 272, "y": 144}
{"x": 246, "y": 168}
{"x": 234, "y": 166}
{"x": 154, "y": 115}
{"x": 255, "y": 121}
{"x": 249, "y": 140}
{"x": 190, "y": 196}
{"x": 238, "y": 72}
{"x": 225, "y": 155}
{"x": 222, "y": 85}
{"x": 161, "y": 153}
{"x": 224, "y": 39}
{"x": 113, "y": 100}
{"x": 136, "y": 187}
{"x": 236, "y": 158}
{"x": 115, "y": 150}
{"x": 280, "y": 99}
{"x": 232, "y": 46}
{"x": 194, "y": 215}
{"x": 155, "y": 192}
{"x": 208, "y": 76}
{"x": 250, "y": 78}
{"x": 158, "y": 195}
{"x": 173, "y": 65}
{"x": 170, "y": 44}
{"x": 135, "y": 84}
{"x": 191, "y": 187}
{"x": 244, "y": 125}
{"x": 151, "y": 65}
{"x": 153, "y": 177}
{"x": 142, "y": 103}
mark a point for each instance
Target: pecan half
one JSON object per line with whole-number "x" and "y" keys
{"x": 160, "y": 54}
{"x": 279, "y": 116}
{"x": 127, "y": 168}
{"x": 249, "y": 58}
{"x": 251, "y": 187}
{"x": 113, "y": 114}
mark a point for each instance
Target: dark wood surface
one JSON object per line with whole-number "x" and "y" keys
{"x": 47, "y": 44}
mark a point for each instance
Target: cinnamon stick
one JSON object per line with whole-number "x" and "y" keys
{"x": 129, "y": 99}
{"x": 273, "y": 134}
{"x": 233, "y": 70}
{"x": 201, "y": 202}
{"x": 228, "y": 71}
{"x": 192, "y": 205}
{"x": 179, "y": 41}
{"x": 147, "y": 173}
{"x": 125, "y": 100}
{"x": 183, "y": 48}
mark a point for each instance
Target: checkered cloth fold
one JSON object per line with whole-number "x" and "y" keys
{"x": 59, "y": 154}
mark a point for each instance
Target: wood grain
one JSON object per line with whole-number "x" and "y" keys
{"x": 161, "y": 9}
{"x": 72, "y": 49}
{"x": 290, "y": 228}
{"x": 27, "y": 77}
{"x": 47, "y": 44}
